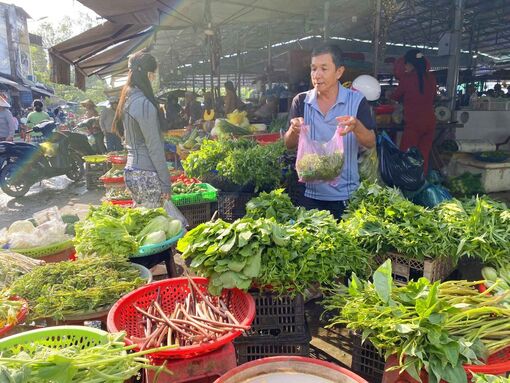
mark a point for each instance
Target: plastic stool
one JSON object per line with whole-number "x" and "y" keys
{"x": 201, "y": 369}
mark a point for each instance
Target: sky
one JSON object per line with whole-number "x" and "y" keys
{"x": 52, "y": 10}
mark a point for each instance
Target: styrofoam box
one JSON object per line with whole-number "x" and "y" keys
{"x": 495, "y": 176}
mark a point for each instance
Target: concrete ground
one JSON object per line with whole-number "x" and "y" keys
{"x": 70, "y": 197}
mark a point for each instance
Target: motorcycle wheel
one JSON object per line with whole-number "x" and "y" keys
{"x": 76, "y": 167}
{"x": 11, "y": 184}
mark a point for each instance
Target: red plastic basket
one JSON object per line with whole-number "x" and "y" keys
{"x": 116, "y": 159}
{"x": 21, "y": 315}
{"x": 267, "y": 138}
{"x": 124, "y": 317}
{"x": 112, "y": 180}
{"x": 122, "y": 202}
{"x": 384, "y": 109}
{"x": 497, "y": 364}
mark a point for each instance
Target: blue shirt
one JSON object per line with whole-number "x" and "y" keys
{"x": 322, "y": 128}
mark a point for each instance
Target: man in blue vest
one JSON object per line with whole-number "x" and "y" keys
{"x": 324, "y": 108}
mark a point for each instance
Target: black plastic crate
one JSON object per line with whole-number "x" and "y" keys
{"x": 197, "y": 213}
{"x": 248, "y": 348}
{"x": 317, "y": 353}
{"x": 366, "y": 361}
{"x": 277, "y": 315}
{"x": 232, "y": 206}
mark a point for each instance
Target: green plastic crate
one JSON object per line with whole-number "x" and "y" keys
{"x": 210, "y": 194}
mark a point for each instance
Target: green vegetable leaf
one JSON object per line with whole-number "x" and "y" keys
{"x": 383, "y": 281}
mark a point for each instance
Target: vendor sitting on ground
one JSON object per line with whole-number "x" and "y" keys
{"x": 324, "y": 108}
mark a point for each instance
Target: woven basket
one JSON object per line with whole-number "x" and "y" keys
{"x": 55, "y": 337}
{"x": 146, "y": 250}
{"x": 41, "y": 251}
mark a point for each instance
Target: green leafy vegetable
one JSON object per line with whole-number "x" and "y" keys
{"x": 70, "y": 288}
{"x": 115, "y": 232}
{"x": 111, "y": 361}
{"x": 433, "y": 326}
{"x": 315, "y": 167}
{"x": 288, "y": 254}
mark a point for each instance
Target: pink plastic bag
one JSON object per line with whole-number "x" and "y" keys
{"x": 318, "y": 161}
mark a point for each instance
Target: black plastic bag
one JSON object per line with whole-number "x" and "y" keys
{"x": 403, "y": 170}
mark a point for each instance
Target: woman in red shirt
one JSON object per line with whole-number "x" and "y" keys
{"x": 417, "y": 90}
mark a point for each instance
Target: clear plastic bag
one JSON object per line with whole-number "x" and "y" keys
{"x": 174, "y": 212}
{"x": 318, "y": 161}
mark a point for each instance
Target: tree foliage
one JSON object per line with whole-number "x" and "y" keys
{"x": 53, "y": 33}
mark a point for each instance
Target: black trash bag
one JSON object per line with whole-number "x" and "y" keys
{"x": 432, "y": 195}
{"x": 403, "y": 170}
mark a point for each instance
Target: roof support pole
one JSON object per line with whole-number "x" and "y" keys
{"x": 377, "y": 33}
{"x": 238, "y": 76}
{"x": 326, "y": 20}
{"x": 193, "y": 70}
{"x": 453, "y": 62}
{"x": 269, "y": 68}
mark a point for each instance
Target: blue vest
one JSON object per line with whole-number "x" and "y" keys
{"x": 322, "y": 128}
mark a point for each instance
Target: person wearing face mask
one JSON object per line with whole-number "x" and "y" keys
{"x": 139, "y": 120}
{"x": 325, "y": 108}
{"x": 36, "y": 117}
{"x": 7, "y": 125}
{"x": 417, "y": 91}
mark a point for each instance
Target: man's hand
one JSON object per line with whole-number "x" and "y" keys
{"x": 364, "y": 136}
{"x": 347, "y": 124}
{"x": 10, "y": 138}
{"x": 295, "y": 125}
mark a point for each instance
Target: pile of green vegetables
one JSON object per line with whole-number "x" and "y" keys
{"x": 111, "y": 361}
{"x": 275, "y": 204}
{"x": 466, "y": 184}
{"x": 278, "y": 125}
{"x": 14, "y": 265}
{"x": 285, "y": 254}
{"x": 381, "y": 220}
{"x": 437, "y": 326}
{"x": 112, "y": 231}
{"x": 68, "y": 288}
{"x": 478, "y": 227}
{"x": 313, "y": 167}
{"x": 242, "y": 162}
{"x": 182, "y": 188}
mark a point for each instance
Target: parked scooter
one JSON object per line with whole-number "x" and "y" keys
{"x": 23, "y": 164}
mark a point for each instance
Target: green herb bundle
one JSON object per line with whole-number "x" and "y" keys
{"x": 258, "y": 165}
{"x": 201, "y": 162}
{"x": 382, "y": 220}
{"x": 315, "y": 167}
{"x": 479, "y": 227}
{"x": 71, "y": 288}
{"x": 433, "y": 326}
{"x": 108, "y": 362}
{"x": 275, "y": 204}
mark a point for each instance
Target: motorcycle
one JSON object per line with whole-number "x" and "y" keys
{"x": 23, "y": 164}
